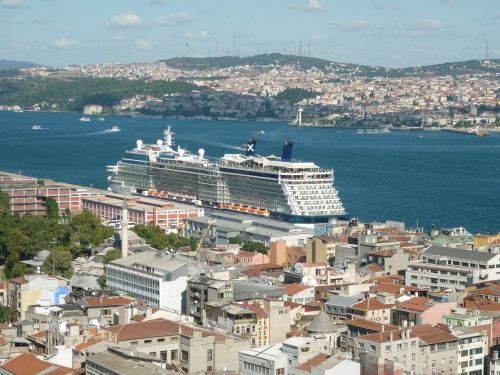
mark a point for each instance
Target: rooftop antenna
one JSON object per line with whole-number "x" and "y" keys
{"x": 187, "y": 45}
{"x": 300, "y": 47}
{"x": 487, "y": 50}
{"x": 217, "y": 47}
{"x": 309, "y": 49}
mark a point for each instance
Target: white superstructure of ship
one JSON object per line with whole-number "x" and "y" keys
{"x": 279, "y": 187}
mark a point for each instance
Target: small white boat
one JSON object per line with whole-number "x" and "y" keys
{"x": 36, "y": 127}
{"x": 115, "y": 128}
{"x": 360, "y": 131}
{"x": 85, "y": 119}
{"x": 101, "y": 119}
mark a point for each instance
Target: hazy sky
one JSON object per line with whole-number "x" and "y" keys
{"x": 375, "y": 32}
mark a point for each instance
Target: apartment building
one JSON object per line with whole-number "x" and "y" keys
{"x": 35, "y": 289}
{"x": 371, "y": 309}
{"x": 250, "y": 321}
{"x": 420, "y": 349}
{"x": 453, "y": 268}
{"x": 202, "y": 290}
{"x": 267, "y": 360}
{"x": 150, "y": 276}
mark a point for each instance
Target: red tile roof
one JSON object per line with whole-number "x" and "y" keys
{"x": 370, "y": 326}
{"x": 292, "y": 289}
{"x": 88, "y": 343}
{"x": 482, "y": 304}
{"x": 427, "y": 333}
{"x": 375, "y": 267}
{"x": 370, "y": 304}
{"x": 487, "y": 291}
{"x": 313, "y": 362}
{"x": 151, "y": 328}
{"x": 383, "y": 253}
{"x": 258, "y": 310}
{"x": 28, "y": 364}
{"x": 19, "y": 280}
{"x": 106, "y": 301}
{"x": 246, "y": 254}
{"x": 418, "y": 304}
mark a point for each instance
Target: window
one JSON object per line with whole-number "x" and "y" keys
{"x": 163, "y": 355}
{"x": 147, "y": 341}
{"x": 464, "y": 353}
{"x": 184, "y": 355}
{"x": 413, "y": 344}
{"x": 209, "y": 354}
{"x": 413, "y": 355}
{"x": 373, "y": 348}
{"x": 399, "y": 346}
{"x": 173, "y": 355}
{"x": 388, "y": 348}
{"x": 134, "y": 343}
{"x": 161, "y": 340}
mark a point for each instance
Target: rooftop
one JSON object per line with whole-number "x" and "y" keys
{"x": 28, "y": 364}
{"x": 456, "y": 253}
{"x": 157, "y": 260}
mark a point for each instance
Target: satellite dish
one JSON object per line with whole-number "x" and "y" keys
{"x": 139, "y": 144}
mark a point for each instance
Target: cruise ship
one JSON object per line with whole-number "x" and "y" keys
{"x": 271, "y": 186}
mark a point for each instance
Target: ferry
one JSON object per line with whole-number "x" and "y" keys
{"x": 115, "y": 128}
{"x": 85, "y": 119}
{"x": 271, "y": 186}
{"x": 36, "y": 127}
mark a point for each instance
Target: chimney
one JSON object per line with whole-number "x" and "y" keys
{"x": 250, "y": 147}
{"x": 390, "y": 336}
{"x": 286, "y": 154}
{"x": 495, "y": 355}
{"x": 124, "y": 234}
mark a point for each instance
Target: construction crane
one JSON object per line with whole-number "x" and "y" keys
{"x": 210, "y": 222}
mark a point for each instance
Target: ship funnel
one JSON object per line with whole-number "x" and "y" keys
{"x": 250, "y": 147}
{"x": 286, "y": 154}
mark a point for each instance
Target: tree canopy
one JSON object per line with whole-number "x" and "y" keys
{"x": 51, "y": 208}
{"x": 21, "y": 238}
{"x": 112, "y": 255}
{"x": 59, "y": 263}
{"x": 158, "y": 239}
{"x": 4, "y": 203}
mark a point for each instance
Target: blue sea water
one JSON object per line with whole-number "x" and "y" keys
{"x": 430, "y": 177}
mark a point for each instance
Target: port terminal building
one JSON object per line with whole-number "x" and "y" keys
{"x": 168, "y": 215}
{"x": 219, "y": 226}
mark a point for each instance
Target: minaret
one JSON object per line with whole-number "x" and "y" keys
{"x": 124, "y": 236}
{"x": 300, "y": 116}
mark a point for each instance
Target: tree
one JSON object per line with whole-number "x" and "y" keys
{"x": 5, "y": 314}
{"x": 4, "y": 203}
{"x": 236, "y": 240}
{"x": 256, "y": 247}
{"x": 112, "y": 255}
{"x": 102, "y": 281}
{"x": 16, "y": 241}
{"x": 51, "y": 208}
{"x": 87, "y": 230}
{"x": 61, "y": 264}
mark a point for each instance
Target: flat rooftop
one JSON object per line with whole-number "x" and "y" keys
{"x": 141, "y": 203}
